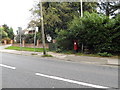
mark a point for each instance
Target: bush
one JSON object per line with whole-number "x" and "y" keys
{"x": 18, "y": 38}
{"x": 7, "y": 39}
{"x": 105, "y": 54}
{"x": 97, "y": 32}
{"x": 63, "y": 41}
{"x": 29, "y": 38}
{"x": 58, "y": 50}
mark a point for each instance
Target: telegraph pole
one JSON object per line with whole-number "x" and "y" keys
{"x": 42, "y": 27}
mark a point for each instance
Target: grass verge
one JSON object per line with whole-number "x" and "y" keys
{"x": 47, "y": 55}
{"x": 26, "y": 49}
{"x": 91, "y": 55}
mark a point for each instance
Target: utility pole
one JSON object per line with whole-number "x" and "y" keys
{"x": 42, "y": 27}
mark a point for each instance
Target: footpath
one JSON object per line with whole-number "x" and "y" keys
{"x": 71, "y": 57}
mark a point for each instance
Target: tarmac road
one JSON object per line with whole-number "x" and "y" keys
{"x": 19, "y": 71}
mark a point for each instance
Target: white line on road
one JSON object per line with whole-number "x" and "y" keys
{"x": 2, "y": 65}
{"x": 71, "y": 81}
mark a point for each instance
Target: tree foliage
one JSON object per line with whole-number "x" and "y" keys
{"x": 29, "y": 38}
{"x": 3, "y": 34}
{"x": 97, "y": 32}
{"x": 57, "y": 15}
{"x": 9, "y": 31}
{"x": 109, "y": 8}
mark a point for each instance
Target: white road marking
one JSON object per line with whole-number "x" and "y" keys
{"x": 71, "y": 81}
{"x": 10, "y": 67}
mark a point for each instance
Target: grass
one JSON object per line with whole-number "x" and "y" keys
{"x": 96, "y": 55}
{"x": 92, "y": 55}
{"x": 26, "y": 49}
{"x": 83, "y": 54}
{"x": 47, "y": 55}
{"x": 33, "y": 53}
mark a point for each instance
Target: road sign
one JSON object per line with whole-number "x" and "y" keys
{"x": 49, "y": 38}
{"x": 36, "y": 28}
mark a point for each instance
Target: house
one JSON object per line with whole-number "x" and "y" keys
{"x": 27, "y": 31}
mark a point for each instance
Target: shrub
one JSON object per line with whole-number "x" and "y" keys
{"x": 29, "y": 38}
{"x": 7, "y": 39}
{"x": 63, "y": 41}
{"x": 105, "y": 54}
{"x": 58, "y": 50}
{"x": 47, "y": 55}
{"x": 97, "y": 32}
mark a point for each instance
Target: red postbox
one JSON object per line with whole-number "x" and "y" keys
{"x": 75, "y": 45}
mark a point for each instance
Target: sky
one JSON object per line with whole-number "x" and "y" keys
{"x": 15, "y": 13}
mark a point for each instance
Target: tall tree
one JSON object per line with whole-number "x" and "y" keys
{"x": 9, "y": 31}
{"x": 57, "y": 15}
{"x": 3, "y": 34}
{"x": 109, "y": 8}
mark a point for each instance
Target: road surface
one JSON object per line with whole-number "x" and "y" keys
{"x": 19, "y": 71}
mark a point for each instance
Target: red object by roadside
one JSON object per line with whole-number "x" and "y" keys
{"x": 75, "y": 45}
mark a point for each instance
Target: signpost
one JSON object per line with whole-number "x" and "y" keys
{"x": 49, "y": 38}
{"x": 36, "y": 30}
{"x": 20, "y": 30}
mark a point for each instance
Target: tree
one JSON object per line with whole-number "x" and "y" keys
{"x": 3, "y": 34}
{"x": 29, "y": 38}
{"x": 57, "y": 15}
{"x": 18, "y": 37}
{"x": 114, "y": 27}
{"x": 9, "y": 31}
{"x": 97, "y": 32}
{"x": 109, "y": 8}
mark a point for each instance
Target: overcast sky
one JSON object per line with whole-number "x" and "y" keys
{"x": 15, "y": 13}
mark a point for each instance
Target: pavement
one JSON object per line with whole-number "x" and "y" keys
{"x": 72, "y": 57}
